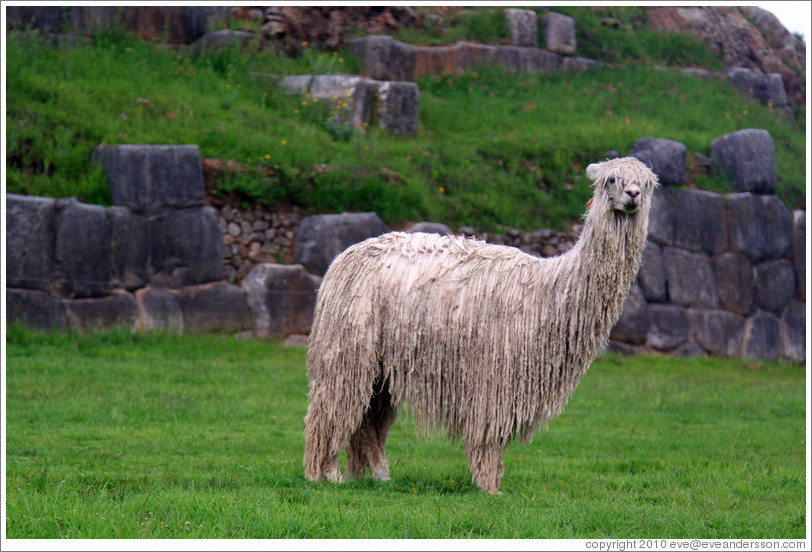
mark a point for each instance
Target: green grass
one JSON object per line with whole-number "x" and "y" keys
{"x": 121, "y": 435}
{"x": 493, "y": 149}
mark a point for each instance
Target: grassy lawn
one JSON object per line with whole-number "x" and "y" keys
{"x": 121, "y": 435}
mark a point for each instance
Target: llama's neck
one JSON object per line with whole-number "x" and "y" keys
{"x": 602, "y": 266}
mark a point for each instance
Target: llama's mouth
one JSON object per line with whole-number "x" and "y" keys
{"x": 630, "y": 209}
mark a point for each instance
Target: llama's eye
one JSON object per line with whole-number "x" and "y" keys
{"x": 611, "y": 180}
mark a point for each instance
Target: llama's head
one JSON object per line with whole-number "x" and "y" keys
{"x": 622, "y": 186}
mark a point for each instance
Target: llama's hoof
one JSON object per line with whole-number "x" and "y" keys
{"x": 381, "y": 474}
{"x": 334, "y": 476}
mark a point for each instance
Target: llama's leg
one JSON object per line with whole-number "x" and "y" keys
{"x": 487, "y": 468}
{"x": 323, "y": 441}
{"x": 367, "y": 444}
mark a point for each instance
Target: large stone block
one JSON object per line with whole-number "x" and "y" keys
{"x": 30, "y": 228}
{"x": 153, "y": 179}
{"x": 36, "y": 309}
{"x": 774, "y": 284}
{"x": 82, "y": 258}
{"x": 699, "y": 224}
{"x": 668, "y": 327}
{"x": 651, "y": 275}
{"x": 691, "y": 278}
{"x": 320, "y": 238}
{"x": 718, "y": 332}
{"x": 759, "y": 227}
{"x": 769, "y": 88}
{"x": 360, "y": 93}
{"x": 282, "y": 299}
{"x": 665, "y": 157}
{"x": 186, "y": 247}
{"x": 662, "y": 217}
{"x": 215, "y": 307}
{"x": 159, "y": 310}
{"x": 559, "y": 33}
{"x": 633, "y": 323}
{"x": 384, "y": 58}
{"x": 398, "y": 107}
{"x": 129, "y": 248}
{"x": 747, "y": 157}
{"x": 734, "y": 273}
{"x": 798, "y": 252}
{"x": 522, "y": 27}
{"x": 115, "y": 310}
{"x": 794, "y": 332}
{"x": 762, "y": 336}
{"x": 431, "y": 228}
{"x": 223, "y": 40}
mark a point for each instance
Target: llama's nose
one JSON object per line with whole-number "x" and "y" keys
{"x": 633, "y": 192}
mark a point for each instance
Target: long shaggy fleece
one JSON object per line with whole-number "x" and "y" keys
{"x": 482, "y": 341}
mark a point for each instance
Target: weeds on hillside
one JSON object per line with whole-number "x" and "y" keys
{"x": 494, "y": 149}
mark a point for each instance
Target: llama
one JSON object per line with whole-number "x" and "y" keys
{"x": 483, "y": 342}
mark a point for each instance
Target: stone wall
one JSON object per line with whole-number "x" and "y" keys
{"x": 174, "y": 24}
{"x": 721, "y": 275}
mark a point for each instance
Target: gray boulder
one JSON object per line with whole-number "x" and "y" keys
{"x": 282, "y": 299}
{"x": 691, "y": 278}
{"x": 522, "y": 27}
{"x": 384, "y": 58}
{"x": 651, "y": 275}
{"x": 798, "y": 252}
{"x": 94, "y": 314}
{"x": 793, "y": 332}
{"x": 690, "y": 350}
{"x": 759, "y": 227}
{"x": 398, "y": 107}
{"x": 223, "y": 39}
{"x": 158, "y": 310}
{"x": 747, "y": 157}
{"x": 633, "y": 323}
{"x": 668, "y": 327}
{"x": 774, "y": 284}
{"x": 357, "y": 91}
{"x": 559, "y": 33}
{"x": 36, "y": 309}
{"x": 662, "y": 217}
{"x": 718, "y": 332}
{"x": 129, "y": 247}
{"x": 431, "y": 228}
{"x": 699, "y": 222}
{"x": 665, "y": 157}
{"x": 320, "y": 238}
{"x": 153, "y": 179}
{"x": 214, "y": 307}
{"x": 30, "y": 227}
{"x": 769, "y": 88}
{"x": 734, "y": 273}
{"x": 186, "y": 247}
{"x": 762, "y": 336}
{"x": 82, "y": 258}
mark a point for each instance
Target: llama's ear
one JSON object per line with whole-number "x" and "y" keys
{"x": 592, "y": 171}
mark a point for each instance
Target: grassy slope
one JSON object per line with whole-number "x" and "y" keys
{"x": 123, "y": 435}
{"x": 493, "y": 148}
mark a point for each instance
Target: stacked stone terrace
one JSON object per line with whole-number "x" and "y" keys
{"x": 721, "y": 274}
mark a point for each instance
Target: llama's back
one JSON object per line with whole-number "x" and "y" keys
{"x": 451, "y": 323}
